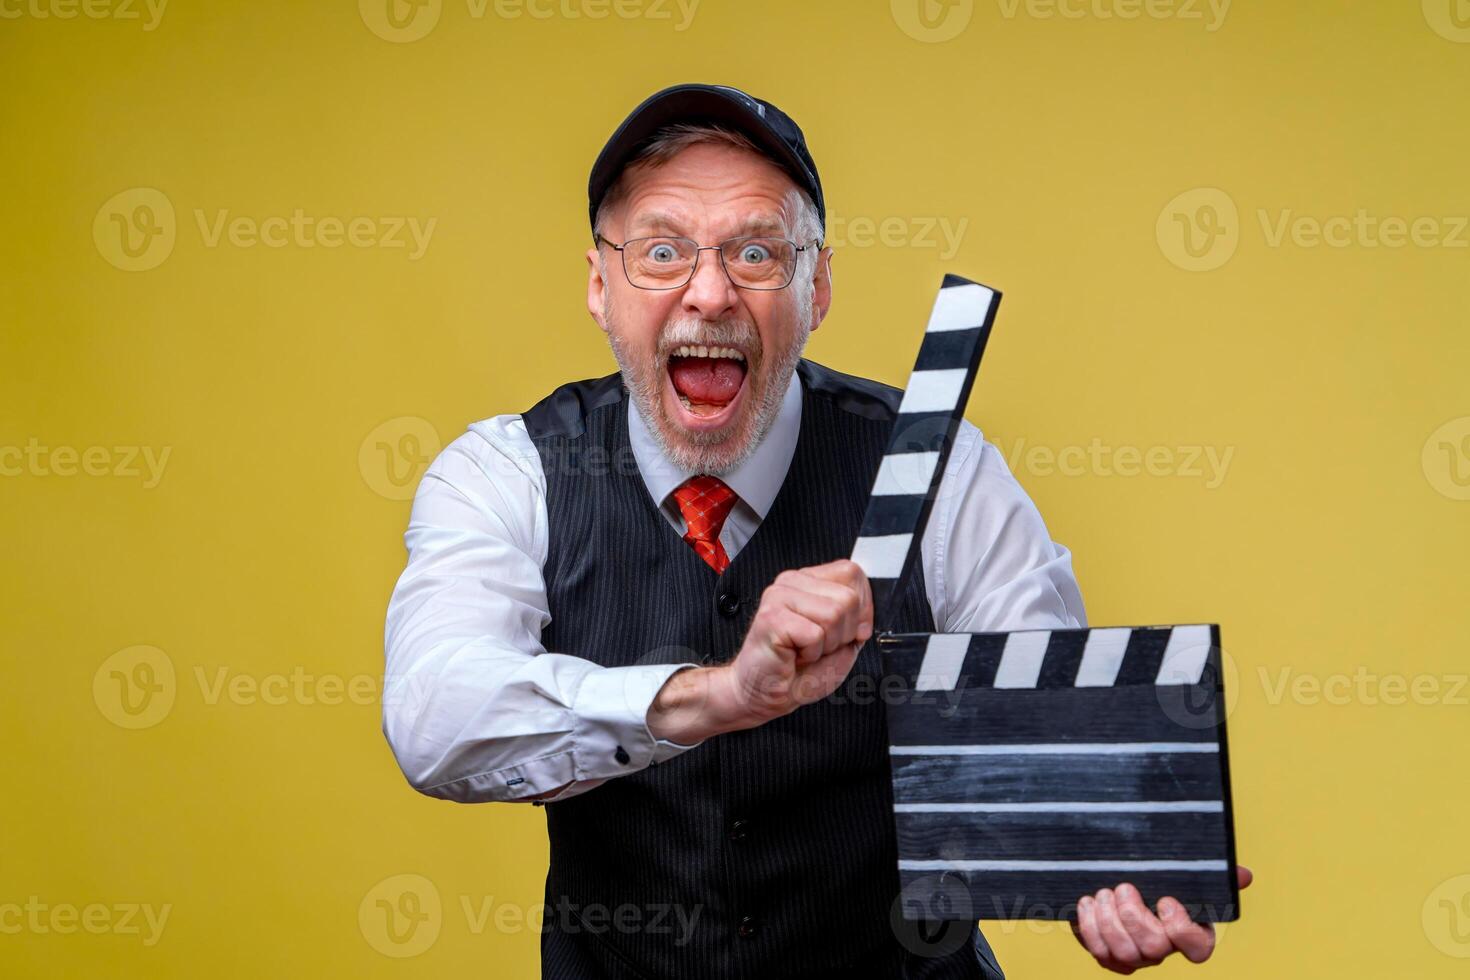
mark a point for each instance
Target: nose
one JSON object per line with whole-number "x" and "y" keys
{"x": 710, "y": 293}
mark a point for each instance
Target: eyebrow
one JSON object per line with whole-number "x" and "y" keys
{"x": 666, "y": 223}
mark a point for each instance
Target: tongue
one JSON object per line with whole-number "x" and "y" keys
{"x": 709, "y": 380}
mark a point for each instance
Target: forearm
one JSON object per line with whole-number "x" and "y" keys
{"x": 694, "y": 705}
{"x": 480, "y": 723}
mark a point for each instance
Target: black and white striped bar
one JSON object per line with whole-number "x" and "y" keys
{"x": 923, "y": 433}
{"x": 1040, "y": 766}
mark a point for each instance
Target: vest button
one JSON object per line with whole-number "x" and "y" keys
{"x": 748, "y": 927}
{"x": 728, "y": 604}
{"x": 739, "y": 830}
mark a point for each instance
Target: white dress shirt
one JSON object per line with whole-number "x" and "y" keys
{"x": 477, "y": 710}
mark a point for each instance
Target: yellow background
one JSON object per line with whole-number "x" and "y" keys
{"x": 1332, "y": 548}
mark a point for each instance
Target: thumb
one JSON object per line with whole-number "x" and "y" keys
{"x": 1243, "y": 876}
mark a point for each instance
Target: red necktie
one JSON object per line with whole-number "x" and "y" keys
{"x": 705, "y": 502}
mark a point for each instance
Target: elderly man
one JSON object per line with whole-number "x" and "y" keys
{"x": 629, "y": 604}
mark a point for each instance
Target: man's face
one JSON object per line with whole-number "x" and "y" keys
{"x": 707, "y": 363}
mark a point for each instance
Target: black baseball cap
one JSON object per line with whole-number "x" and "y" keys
{"x": 770, "y": 129}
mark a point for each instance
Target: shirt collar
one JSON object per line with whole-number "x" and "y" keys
{"x": 756, "y": 481}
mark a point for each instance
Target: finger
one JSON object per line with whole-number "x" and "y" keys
{"x": 823, "y": 677}
{"x": 1087, "y": 930}
{"x": 845, "y": 573}
{"x": 1110, "y": 926}
{"x": 1195, "y": 941}
{"x": 826, "y": 613}
{"x": 790, "y": 630}
{"x": 849, "y": 573}
{"x": 845, "y": 602}
{"x": 1244, "y": 876}
{"x": 1144, "y": 928}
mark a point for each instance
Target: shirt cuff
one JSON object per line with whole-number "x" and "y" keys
{"x": 611, "y": 737}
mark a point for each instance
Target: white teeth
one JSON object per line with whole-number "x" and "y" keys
{"x": 692, "y": 350}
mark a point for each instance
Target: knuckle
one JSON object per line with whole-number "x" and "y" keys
{"x": 1155, "y": 948}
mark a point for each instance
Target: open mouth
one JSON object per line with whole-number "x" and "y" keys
{"x": 706, "y": 384}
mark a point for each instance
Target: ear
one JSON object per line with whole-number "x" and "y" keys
{"x": 822, "y": 287}
{"x": 596, "y": 287}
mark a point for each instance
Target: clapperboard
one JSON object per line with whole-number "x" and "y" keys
{"x": 1032, "y": 768}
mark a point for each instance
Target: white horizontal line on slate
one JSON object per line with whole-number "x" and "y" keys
{"x": 1129, "y": 806}
{"x": 1215, "y": 865}
{"x": 1057, "y": 748}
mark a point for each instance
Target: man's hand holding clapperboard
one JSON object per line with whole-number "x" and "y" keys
{"x": 1059, "y": 764}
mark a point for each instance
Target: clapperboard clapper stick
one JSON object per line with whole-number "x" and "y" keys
{"x": 1034, "y": 767}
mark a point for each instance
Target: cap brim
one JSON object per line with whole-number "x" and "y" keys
{"x": 691, "y": 104}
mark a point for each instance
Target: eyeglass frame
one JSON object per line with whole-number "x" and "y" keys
{"x": 599, "y": 239}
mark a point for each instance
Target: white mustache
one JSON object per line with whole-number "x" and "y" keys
{"x": 721, "y": 333}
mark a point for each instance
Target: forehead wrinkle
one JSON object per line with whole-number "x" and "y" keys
{"x": 665, "y": 222}
{"x": 668, "y": 223}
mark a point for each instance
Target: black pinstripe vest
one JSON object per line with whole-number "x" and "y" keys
{"x": 762, "y": 854}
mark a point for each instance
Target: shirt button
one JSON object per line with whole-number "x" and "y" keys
{"x": 621, "y": 755}
{"x": 748, "y": 927}
{"x": 739, "y": 829}
{"x": 728, "y": 604}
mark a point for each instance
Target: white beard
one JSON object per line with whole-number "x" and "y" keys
{"x": 715, "y": 453}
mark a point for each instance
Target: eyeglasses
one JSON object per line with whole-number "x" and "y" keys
{"x": 668, "y": 263}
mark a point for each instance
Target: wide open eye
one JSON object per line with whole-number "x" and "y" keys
{"x": 661, "y": 251}
{"x": 755, "y": 253}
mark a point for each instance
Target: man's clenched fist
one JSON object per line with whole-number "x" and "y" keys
{"x": 800, "y": 646}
